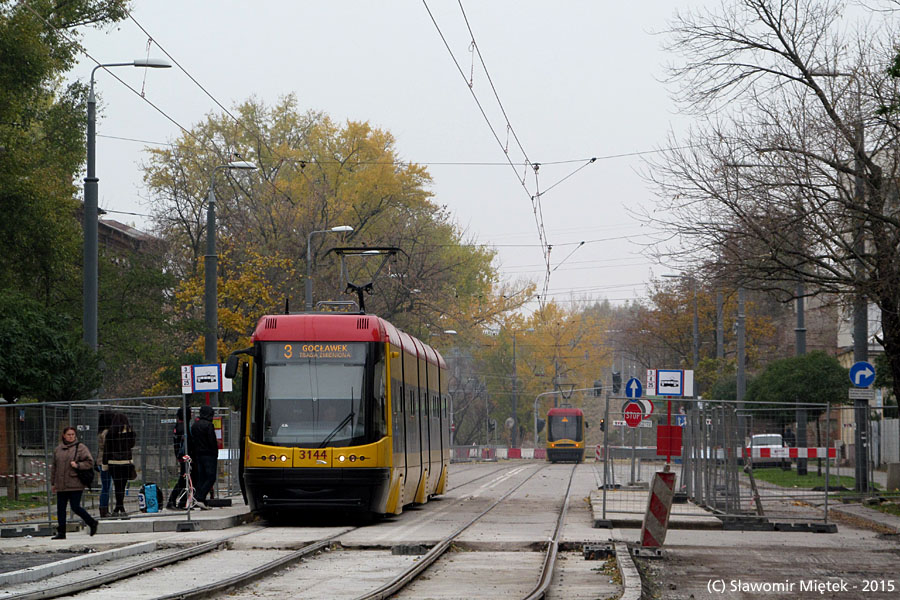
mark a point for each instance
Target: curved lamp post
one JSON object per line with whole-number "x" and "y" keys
{"x": 338, "y": 229}
{"x": 90, "y": 286}
{"x": 211, "y": 263}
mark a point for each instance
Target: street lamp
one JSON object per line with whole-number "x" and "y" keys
{"x": 338, "y": 229}
{"x": 211, "y": 261}
{"x": 90, "y": 287}
{"x": 515, "y": 393}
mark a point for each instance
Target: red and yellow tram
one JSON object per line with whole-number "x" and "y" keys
{"x": 565, "y": 434}
{"x": 341, "y": 412}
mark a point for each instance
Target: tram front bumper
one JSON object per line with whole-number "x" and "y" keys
{"x": 362, "y": 489}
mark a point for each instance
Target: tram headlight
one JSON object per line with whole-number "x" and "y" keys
{"x": 352, "y": 458}
{"x": 283, "y": 458}
{"x": 272, "y": 457}
{"x": 341, "y": 458}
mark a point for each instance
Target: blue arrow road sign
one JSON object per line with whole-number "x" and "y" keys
{"x": 862, "y": 374}
{"x": 634, "y": 389}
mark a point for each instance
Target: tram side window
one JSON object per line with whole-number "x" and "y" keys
{"x": 378, "y": 409}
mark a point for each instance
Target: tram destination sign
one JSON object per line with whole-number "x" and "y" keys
{"x": 282, "y": 352}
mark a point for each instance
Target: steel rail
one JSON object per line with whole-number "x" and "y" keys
{"x": 553, "y": 546}
{"x": 283, "y": 562}
{"x": 120, "y": 574}
{"x": 259, "y": 572}
{"x": 407, "y": 576}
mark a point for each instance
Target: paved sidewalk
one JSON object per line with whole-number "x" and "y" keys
{"x": 866, "y": 517}
{"x": 12, "y": 536}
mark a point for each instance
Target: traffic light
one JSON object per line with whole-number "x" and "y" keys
{"x": 616, "y": 381}
{"x": 598, "y": 387}
{"x": 602, "y": 424}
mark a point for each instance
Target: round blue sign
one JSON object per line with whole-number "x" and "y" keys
{"x": 862, "y": 374}
{"x": 633, "y": 388}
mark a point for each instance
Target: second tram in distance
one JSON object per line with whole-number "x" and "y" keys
{"x": 341, "y": 411}
{"x": 565, "y": 434}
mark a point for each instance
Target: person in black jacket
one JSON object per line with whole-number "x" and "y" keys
{"x": 180, "y": 445}
{"x": 204, "y": 452}
{"x": 120, "y": 439}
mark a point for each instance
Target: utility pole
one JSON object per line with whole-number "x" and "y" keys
{"x": 720, "y": 326}
{"x": 741, "y": 359}
{"x": 860, "y": 322}
{"x": 515, "y": 399}
{"x": 800, "y": 341}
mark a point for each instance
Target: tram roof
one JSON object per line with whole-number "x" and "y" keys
{"x": 340, "y": 327}
{"x": 565, "y": 411}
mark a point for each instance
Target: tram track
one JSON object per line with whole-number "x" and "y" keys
{"x": 82, "y": 584}
{"x": 263, "y": 568}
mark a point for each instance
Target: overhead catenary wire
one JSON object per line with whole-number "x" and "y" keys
{"x": 535, "y": 200}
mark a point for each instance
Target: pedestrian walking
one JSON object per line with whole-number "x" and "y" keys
{"x": 68, "y": 456}
{"x": 120, "y": 439}
{"x": 205, "y": 452}
{"x": 180, "y": 445}
{"x": 103, "y": 422}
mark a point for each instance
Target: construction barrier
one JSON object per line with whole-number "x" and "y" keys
{"x": 659, "y": 504}
{"x": 790, "y": 452}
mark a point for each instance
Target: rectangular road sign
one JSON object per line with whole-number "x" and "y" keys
{"x": 204, "y": 378}
{"x": 621, "y": 423}
{"x": 862, "y": 394}
{"x": 670, "y": 382}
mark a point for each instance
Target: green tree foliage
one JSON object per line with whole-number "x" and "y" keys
{"x": 41, "y": 143}
{"x": 811, "y": 378}
{"x": 41, "y": 149}
{"x": 43, "y": 358}
{"x": 313, "y": 174}
{"x": 136, "y": 331}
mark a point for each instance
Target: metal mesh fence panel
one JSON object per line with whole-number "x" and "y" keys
{"x": 775, "y": 462}
{"x": 30, "y": 432}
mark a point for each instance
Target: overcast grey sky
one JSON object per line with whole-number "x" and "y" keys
{"x": 577, "y": 79}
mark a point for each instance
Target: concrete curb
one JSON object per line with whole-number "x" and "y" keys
{"x": 170, "y": 524}
{"x": 869, "y": 516}
{"x": 70, "y": 564}
{"x": 631, "y": 577}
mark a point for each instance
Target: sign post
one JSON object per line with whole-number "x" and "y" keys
{"x": 862, "y": 376}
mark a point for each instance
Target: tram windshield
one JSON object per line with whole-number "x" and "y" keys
{"x": 313, "y": 394}
{"x": 564, "y": 427}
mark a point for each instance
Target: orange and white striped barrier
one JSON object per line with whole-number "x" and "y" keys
{"x": 790, "y": 452}
{"x": 659, "y": 505}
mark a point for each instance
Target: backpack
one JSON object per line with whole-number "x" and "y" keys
{"x": 150, "y": 498}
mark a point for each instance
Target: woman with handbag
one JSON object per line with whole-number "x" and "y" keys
{"x": 69, "y": 457}
{"x": 117, "y": 447}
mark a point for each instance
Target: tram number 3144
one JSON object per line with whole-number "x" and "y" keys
{"x": 314, "y": 454}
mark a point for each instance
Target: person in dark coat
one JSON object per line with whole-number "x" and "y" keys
{"x": 789, "y": 438}
{"x": 204, "y": 452}
{"x": 105, "y": 480}
{"x": 180, "y": 446}
{"x": 69, "y": 455}
{"x": 120, "y": 439}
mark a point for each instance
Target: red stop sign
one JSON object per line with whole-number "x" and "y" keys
{"x": 633, "y": 414}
